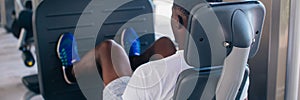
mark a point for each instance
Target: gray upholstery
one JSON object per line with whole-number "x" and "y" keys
{"x": 240, "y": 24}
{"x": 54, "y": 17}
{"x": 191, "y": 83}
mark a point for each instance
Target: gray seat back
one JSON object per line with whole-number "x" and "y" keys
{"x": 53, "y": 17}
{"x": 241, "y": 33}
{"x": 191, "y": 83}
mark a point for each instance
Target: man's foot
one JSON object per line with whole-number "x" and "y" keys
{"x": 67, "y": 50}
{"x": 131, "y": 42}
{"x": 68, "y": 54}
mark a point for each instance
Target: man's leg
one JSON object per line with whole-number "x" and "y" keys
{"x": 161, "y": 48}
{"x": 112, "y": 60}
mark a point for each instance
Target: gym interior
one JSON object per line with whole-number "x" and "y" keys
{"x": 269, "y": 69}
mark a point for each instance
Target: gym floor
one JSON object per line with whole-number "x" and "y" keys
{"x": 12, "y": 67}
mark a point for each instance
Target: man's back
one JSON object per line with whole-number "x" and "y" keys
{"x": 156, "y": 80}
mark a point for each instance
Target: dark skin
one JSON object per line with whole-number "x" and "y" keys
{"x": 112, "y": 68}
{"x": 161, "y": 48}
{"x": 112, "y": 61}
{"x": 114, "y": 65}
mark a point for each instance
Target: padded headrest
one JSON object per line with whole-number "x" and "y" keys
{"x": 216, "y": 28}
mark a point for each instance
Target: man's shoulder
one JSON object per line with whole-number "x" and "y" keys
{"x": 175, "y": 56}
{"x": 175, "y": 59}
{"x": 151, "y": 65}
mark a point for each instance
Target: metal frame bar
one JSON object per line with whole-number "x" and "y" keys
{"x": 3, "y": 13}
{"x": 18, "y": 7}
{"x": 35, "y": 3}
{"x": 292, "y": 78}
{"x": 278, "y": 49}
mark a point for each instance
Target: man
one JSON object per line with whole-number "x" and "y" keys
{"x": 153, "y": 80}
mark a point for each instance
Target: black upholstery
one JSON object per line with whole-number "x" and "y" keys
{"x": 52, "y": 84}
{"x": 24, "y": 21}
{"x": 240, "y": 32}
{"x": 54, "y": 17}
{"x": 31, "y": 83}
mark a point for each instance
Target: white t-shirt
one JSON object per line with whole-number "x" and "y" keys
{"x": 156, "y": 80}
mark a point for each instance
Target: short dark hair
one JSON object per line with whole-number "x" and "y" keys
{"x": 182, "y": 10}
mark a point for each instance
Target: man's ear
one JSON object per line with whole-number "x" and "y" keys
{"x": 180, "y": 20}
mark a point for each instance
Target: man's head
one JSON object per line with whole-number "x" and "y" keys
{"x": 180, "y": 14}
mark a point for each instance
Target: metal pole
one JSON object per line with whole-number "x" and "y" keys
{"x": 35, "y": 3}
{"x": 3, "y": 13}
{"x": 292, "y": 76}
{"x": 278, "y": 49}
